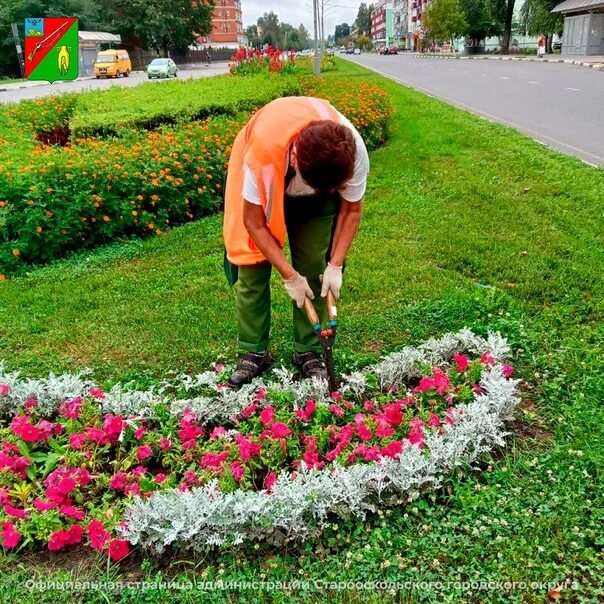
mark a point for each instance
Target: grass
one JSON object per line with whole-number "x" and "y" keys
{"x": 467, "y": 224}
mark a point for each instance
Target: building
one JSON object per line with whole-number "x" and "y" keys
{"x": 418, "y": 9}
{"x": 583, "y": 27}
{"x": 227, "y": 26}
{"x": 382, "y": 23}
{"x": 402, "y": 23}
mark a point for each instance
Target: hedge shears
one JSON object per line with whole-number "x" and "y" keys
{"x": 326, "y": 335}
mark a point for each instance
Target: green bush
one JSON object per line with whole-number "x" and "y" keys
{"x": 147, "y": 106}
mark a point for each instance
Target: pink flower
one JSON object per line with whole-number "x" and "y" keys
{"x": 64, "y": 537}
{"x": 190, "y": 477}
{"x": 10, "y": 536}
{"x": 188, "y": 429}
{"x": 280, "y": 430}
{"x": 72, "y": 512}
{"x": 71, "y": 410}
{"x": 139, "y": 471}
{"x": 118, "y": 549}
{"x": 144, "y": 452}
{"x": 336, "y": 396}
{"x": 13, "y": 511}
{"x": 217, "y": 433}
{"x": 247, "y": 448}
{"x": 434, "y": 421}
{"x": 425, "y": 385}
{"x": 393, "y": 449}
{"x": 267, "y": 414}
{"x": 4, "y": 389}
{"x": 96, "y": 393}
{"x": 270, "y": 480}
{"x": 369, "y": 406}
{"x": 487, "y": 358}
{"x": 160, "y": 477}
{"x": 188, "y": 444}
{"x": 213, "y": 461}
{"x": 249, "y": 410}
{"x": 362, "y": 429}
{"x": 42, "y": 505}
{"x": 261, "y": 394}
{"x": 450, "y": 416}
{"x": 508, "y": 371}
{"x": 165, "y": 444}
{"x": 77, "y": 441}
{"x": 476, "y": 389}
{"x": 237, "y": 470}
{"x": 118, "y": 481}
{"x": 306, "y": 414}
{"x": 393, "y": 414}
{"x": 384, "y": 430}
{"x": 461, "y": 361}
{"x": 336, "y": 410}
{"x": 416, "y": 437}
{"x": 31, "y": 403}
{"x": 97, "y": 534}
{"x": 416, "y": 424}
{"x": 218, "y": 367}
{"x": 113, "y": 426}
{"x": 132, "y": 489}
{"x": 140, "y": 432}
{"x": 29, "y": 433}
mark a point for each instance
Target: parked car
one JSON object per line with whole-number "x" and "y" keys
{"x": 162, "y": 68}
{"x": 350, "y": 51}
{"x": 357, "y": 51}
{"x": 557, "y": 45}
{"x": 391, "y": 50}
{"x": 112, "y": 64}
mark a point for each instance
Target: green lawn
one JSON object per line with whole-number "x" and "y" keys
{"x": 467, "y": 224}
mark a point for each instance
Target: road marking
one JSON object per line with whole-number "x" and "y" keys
{"x": 536, "y": 83}
{"x": 483, "y": 74}
{"x": 503, "y": 78}
{"x": 483, "y": 114}
{"x": 573, "y": 89}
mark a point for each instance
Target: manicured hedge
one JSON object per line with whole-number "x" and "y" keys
{"x": 54, "y": 200}
{"x": 147, "y": 107}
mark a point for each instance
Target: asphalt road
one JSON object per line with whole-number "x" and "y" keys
{"x": 557, "y": 104}
{"x": 29, "y": 90}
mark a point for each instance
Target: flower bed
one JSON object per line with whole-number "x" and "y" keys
{"x": 248, "y": 62}
{"x": 54, "y": 200}
{"x": 196, "y": 464}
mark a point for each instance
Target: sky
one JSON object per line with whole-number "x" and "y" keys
{"x": 300, "y": 11}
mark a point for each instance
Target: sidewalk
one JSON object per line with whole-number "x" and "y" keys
{"x": 594, "y": 62}
{"x": 21, "y": 85}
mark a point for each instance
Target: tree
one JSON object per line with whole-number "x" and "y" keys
{"x": 444, "y": 20}
{"x": 155, "y": 24}
{"x": 364, "y": 42}
{"x": 342, "y": 31}
{"x": 303, "y": 36}
{"x": 363, "y": 20}
{"x": 271, "y": 32}
{"x": 536, "y": 18}
{"x": 480, "y": 22}
{"x": 253, "y": 38}
{"x": 503, "y": 12}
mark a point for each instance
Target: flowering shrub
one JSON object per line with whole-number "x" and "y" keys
{"x": 57, "y": 199}
{"x": 253, "y": 62}
{"x": 70, "y": 473}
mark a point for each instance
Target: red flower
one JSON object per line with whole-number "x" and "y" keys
{"x": 96, "y": 393}
{"x": 140, "y": 432}
{"x": 434, "y": 421}
{"x": 393, "y": 414}
{"x": 64, "y": 537}
{"x": 393, "y": 449}
{"x": 72, "y": 512}
{"x": 249, "y": 410}
{"x": 118, "y": 481}
{"x": 508, "y": 371}
{"x": 10, "y": 536}
{"x": 97, "y": 534}
{"x": 213, "y": 461}
{"x": 165, "y": 444}
{"x": 461, "y": 361}
{"x": 267, "y": 414}
{"x": 118, "y": 549}
{"x": 237, "y": 470}
{"x": 113, "y": 425}
{"x": 336, "y": 410}
{"x": 144, "y": 452}
{"x": 4, "y": 389}
{"x": 42, "y": 505}
{"x": 487, "y": 358}
{"x": 280, "y": 430}
{"x": 416, "y": 437}
{"x": 247, "y": 448}
{"x": 270, "y": 480}
{"x": 13, "y": 511}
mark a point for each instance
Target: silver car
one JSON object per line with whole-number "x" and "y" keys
{"x": 162, "y": 68}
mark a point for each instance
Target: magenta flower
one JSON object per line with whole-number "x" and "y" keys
{"x": 336, "y": 410}
{"x": 42, "y": 505}
{"x": 476, "y": 389}
{"x": 71, "y": 410}
{"x": 267, "y": 414}
{"x": 280, "y": 430}
{"x": 461, "y": 361}
{"x": 165, "y": 444}
{"x": 336, "y": 396}
{"x": 97, "y": 393}
{"x": 249, "y": 410}
{"x": 97, "y": 534}
{"x": 217, "y": 433}
{"x": 237, "y": 470}
{"x": 383, "y": 430}
{"x": 508, "y": 371}
{"x": 31, "y": 403}
{"x": 416, "y": 437}
{"x": 213, "y": 461}
{"x": 261, "y": 394}
{"x": 434, "y": 421}
{"x": 160, "y": 477}
{"x": 247, "y": 448}
{"x": 10, "y": 536}
{"x": 13, "y": 511}
{"x": 144, "y": 452}
{"x": 393, "y": 413}
{"x": 4, "y": 389}
{"x": 369, "y": 406}
{"x": 393, "y": 449}
{"x": 140, "y": 432}
{"x": 487, "y": 358}
{"x": 118, "y": 481}
{"x": 64, "y": 537}
{"x": 118, "y": 549}
{"x": 132, "y": 489}
{"x": 270, "y": 480}
{"x": 113, "y": 426}
{"x": 72, "y": 512}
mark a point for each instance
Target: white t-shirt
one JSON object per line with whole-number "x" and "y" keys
{"x": 352, "y": 190}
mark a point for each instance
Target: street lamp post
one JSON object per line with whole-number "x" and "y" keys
{"x": 316, "y": 63}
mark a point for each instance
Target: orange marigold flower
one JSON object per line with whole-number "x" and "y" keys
{"x": 106, "y": 218}
{"x": 16, "y": 252}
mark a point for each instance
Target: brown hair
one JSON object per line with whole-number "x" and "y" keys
{"x": 326, "y": 153}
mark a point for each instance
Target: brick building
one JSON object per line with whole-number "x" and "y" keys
{"x": 227, "y": 24}
{"x": 382, "y": 23}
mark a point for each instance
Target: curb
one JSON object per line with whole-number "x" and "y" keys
{"x": 596, "y": 66}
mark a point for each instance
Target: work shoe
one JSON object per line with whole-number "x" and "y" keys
{"x": 311, "y": 364}
{"x": 250, "y": 365}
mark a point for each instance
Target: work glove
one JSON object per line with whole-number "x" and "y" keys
{"x": 331, "y": 279}
{"x": 298, "y": 289}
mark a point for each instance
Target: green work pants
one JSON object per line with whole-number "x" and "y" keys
{"x": 310, "y": 222}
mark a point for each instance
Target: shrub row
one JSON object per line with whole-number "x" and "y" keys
{"x": 147, "y": 107}
{"x": 62, "y": 199}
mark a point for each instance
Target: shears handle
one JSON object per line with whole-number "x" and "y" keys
{"x": 332, "y": 312}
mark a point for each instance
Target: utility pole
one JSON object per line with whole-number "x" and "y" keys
{"x": 17, "y": 41}
{"x": 316, "y": 63}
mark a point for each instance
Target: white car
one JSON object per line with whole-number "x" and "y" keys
{"x": 357, "y": 51}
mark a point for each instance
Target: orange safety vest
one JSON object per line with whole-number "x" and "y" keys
{"x": 263, "y": 145}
